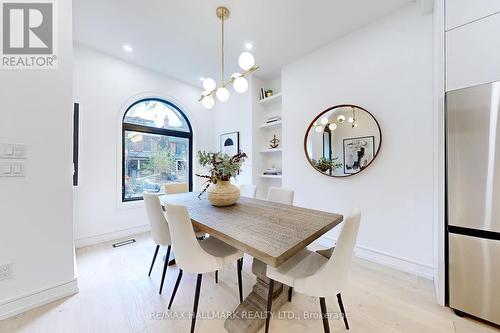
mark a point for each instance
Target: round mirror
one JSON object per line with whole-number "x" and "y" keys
{"x": 342, "y": 140}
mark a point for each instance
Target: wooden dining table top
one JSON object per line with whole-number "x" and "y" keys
{"x": 268, "y": 231}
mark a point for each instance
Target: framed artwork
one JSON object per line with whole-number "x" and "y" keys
{"x": 358, "y": 153}
{"x": 230, "y": 143}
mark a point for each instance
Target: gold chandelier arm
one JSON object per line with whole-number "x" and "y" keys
{"x": 222, "y": 53}
{"x": 224, "y": 85}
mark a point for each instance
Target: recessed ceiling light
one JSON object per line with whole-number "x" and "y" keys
{"x": 248, "y": 46}
{"x": 128, "y": 48}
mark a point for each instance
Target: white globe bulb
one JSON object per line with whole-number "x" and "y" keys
{"x": 208, "y": 102}
{"x": 209, "y": 84}
{"x": 324, "y": 120}
{"x": 222, "y": 94}
{"x": 246, "y": 61}
{"x": 332, "y": 127}
{"x": 341, "y": 119}
{"x": 318, "y": 129}
{"x": 240, "y": 85}
{"x": 351, "y": 119}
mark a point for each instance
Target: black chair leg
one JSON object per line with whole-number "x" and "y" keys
{"x": 341, "y": 305}
{"x": 269, "y": 304}
{"x": 216, "y": 276}
{"x": 290, "y": 291}
{"x": 324, "y": 314}
{"x": 240, "y": 287}
{"x": 196, "y": 300}
{"x": 179, "y": 277}
{"x": 165, "y": 265}
{"x": 154, "y": 259}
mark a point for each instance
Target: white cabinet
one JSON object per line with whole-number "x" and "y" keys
{"x": 460, "y": 12}
{"x": 473, "y": 53}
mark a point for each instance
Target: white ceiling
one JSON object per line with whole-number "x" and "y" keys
{"x": 181, "y": 38}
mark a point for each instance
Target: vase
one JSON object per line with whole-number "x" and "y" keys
{"x": 223, "y": 194}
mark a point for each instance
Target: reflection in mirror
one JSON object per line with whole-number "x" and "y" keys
{"x": 342, "y": 140}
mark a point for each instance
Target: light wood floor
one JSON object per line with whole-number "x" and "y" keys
{"x": 116, "y": 296}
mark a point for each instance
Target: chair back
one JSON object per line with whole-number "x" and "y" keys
{"x": 332, "y": 277}
{"x": 173, "y": 188}
{"x": 189, "y": 255}
{"x": 159, "y": 226}
{"x": 248, "y": 190}
{"x": 280, "y": 195}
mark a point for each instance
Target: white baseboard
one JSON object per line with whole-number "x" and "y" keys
{"x": 385, "y": 259}
{"x": 97, "y": 239}
{"x": 23, "y": 303}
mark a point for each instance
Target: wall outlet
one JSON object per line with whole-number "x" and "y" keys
{"x": 5, "y": 271}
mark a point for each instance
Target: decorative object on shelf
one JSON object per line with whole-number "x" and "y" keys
{"x": 221, "y": 168}
{"x": 273, "y": 171}
{"x": 246, "y": 62}
{"x": 269, "y": 93}
{"x": 358, "y": 152}
{"x": 273, "y": 119}
{"x": 274, "y": 142}
{"x": 230, "y": 143}
{"x": 344, "y": 135}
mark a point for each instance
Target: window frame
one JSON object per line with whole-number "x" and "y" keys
{"x": 157, "y": 131}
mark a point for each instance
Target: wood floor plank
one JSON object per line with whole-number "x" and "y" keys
{"x": 116, "y": 295}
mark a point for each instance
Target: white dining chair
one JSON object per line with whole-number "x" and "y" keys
{"x": 248, "y": 190}
{"x": 159, "y": 230}
{"x": 198, "y": 256}
{"x": 312, "y": 274}
{"x": 280, "y": 195}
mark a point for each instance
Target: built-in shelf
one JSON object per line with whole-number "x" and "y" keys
{"x": 272, "y": 125}
{"x": 271, "y": 100}
{"x": 272, "y": 150}
{"x": 271, "y": 176}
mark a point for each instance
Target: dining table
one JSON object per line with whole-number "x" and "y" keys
{"x": 269, "y": 232}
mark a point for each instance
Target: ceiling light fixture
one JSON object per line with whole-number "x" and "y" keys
{"x": 248, "y": 46}
{"x": 128, "y": 48}
{"x": 238, "y": 80}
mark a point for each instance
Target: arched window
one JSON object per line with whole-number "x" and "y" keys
{"x": 157, "y": 148}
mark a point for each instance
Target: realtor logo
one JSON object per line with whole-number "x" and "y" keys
{"x": 27, "y": 34}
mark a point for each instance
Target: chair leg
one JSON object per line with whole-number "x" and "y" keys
{"x": 154, "y": 259}
{"x": 269, "y": 304}
{"x": 240, "y": 287}
{"x": 324, "y": 314}
{"x": 196, "y": 300}
{"x": 165, "y": 265}
{"x": 179, "y": 277}
{"x": 290, "y": 291}
{"x": 341, "y": 305}
{"x": 216, "y": 276}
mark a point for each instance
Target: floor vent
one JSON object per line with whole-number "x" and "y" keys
{"x": 127, "y": 242}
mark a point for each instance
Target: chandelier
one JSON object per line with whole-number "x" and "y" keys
{"x": 237, "y": 80}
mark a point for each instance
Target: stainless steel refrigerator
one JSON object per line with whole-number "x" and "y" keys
{"x": 473, "y": 200}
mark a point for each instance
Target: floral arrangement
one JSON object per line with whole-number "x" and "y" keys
{"x": 221, "y": 167}
{"x": 326, "y": 164}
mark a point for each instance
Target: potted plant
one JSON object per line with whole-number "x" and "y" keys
{"x": 221, "y": 168}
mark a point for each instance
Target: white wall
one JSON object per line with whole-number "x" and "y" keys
{"x": 36, "y": 227}
{"x": 386, "y": 68}
{"x": 104, "y": 86}
{"x": 235, "y": 115}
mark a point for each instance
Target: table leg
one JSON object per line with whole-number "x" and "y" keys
{"x": 250, "y": 315}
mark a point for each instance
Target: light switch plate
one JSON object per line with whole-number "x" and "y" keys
{"x": 12, "y": 151}
{"x": 12, "y": 168}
